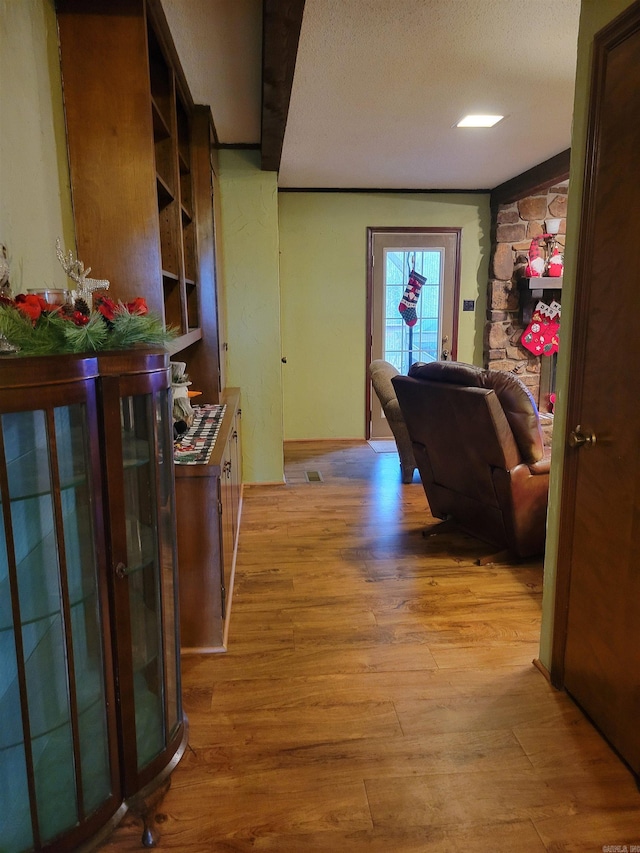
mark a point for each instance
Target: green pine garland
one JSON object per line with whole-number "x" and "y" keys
{"x": 92, "y": 337}
{"x": 130, "y": 330}
{"x": 52, "y": 334}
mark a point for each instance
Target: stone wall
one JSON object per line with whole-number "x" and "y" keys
{"x": 516, "y": 224}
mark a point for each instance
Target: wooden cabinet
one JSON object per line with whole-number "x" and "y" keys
{"x": 140, "y": 161}
{"x": 230, "y": 486}
{"x": 90, "y": 701}
{"x": 209, "y": 503}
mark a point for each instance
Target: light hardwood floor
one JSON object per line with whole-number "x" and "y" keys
{"x": 379, "y": 693}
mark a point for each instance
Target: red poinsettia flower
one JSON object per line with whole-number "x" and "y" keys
{"x": 107, "y": 307}
{"x": 138, "y": 306}
{"x": 31, "y": 305}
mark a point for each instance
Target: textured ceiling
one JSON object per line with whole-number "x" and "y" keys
{"x": 379, "y": 85}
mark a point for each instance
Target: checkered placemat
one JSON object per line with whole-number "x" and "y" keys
{"x": 196, "y": 445}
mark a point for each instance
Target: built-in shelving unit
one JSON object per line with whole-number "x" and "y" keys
{"x": 174, "y": 185}
{"x": 143, "y": 164}
{"x": 140, "y": 166}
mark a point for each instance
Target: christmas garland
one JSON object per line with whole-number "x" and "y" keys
{"x": 32, "y": 326}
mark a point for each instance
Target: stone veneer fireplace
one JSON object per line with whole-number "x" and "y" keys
{"x": 510, "y": 298}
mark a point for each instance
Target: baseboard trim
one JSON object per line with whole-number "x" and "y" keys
{"x": 542, "y": 668}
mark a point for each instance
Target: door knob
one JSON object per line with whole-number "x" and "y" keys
{"x": 578, "y": 438}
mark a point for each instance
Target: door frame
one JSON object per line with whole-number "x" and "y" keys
{"x": 371, "y": 232}
{"x": 604, "y": 41}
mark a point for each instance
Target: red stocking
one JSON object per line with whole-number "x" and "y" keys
{"x": 541, "y": 337}
{"x": 407, "y": 306}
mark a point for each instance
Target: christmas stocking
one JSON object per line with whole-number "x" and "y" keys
{"x": 542, "y": 335}
{"x": 407, "y": 306}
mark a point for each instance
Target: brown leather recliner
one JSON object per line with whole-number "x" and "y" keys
{"x": 381, "y": 373}
{"x": 478, "y": 446}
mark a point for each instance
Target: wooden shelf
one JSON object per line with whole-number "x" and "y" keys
{"x": 165, "y": 195}
{"x": 184, "y": 163}
{"x": 160, "y": 127}
{"x": 184, "y": 341}
{"x": 532, "y": 289}
{"x": 542, "y": 282}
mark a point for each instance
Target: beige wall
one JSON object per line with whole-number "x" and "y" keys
{"x": 248, "y": 231}
{"x": 35, "y": 205}
{"x": 323, "y": 294}
{"x": 593, "y": 16}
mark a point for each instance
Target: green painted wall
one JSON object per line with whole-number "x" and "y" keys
{"x": 594, "y": 15}
{"x": 248, "y": 232}
{"x": 323, "y": 292}
{"x": 36, "y": 200}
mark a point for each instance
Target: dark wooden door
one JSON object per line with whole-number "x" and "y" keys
{"x": 597, "y": 636}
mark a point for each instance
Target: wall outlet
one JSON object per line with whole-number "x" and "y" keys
{"x": 468, "y": 304}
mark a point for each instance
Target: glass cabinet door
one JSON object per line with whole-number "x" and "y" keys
{"x": 150, "y": 569}
{"x": 55, "y": 767}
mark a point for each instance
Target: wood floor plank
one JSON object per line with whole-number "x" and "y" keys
{"x": 343, "y": 759}
{"x": 378, "y": 694}
{"x": 591, "y": 832}
{"x": 288, "y": 728}
{"x": 475, "y": 712}
{"x": 456, "y": 800}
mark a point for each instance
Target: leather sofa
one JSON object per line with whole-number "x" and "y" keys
{"x": 479, "y": 449}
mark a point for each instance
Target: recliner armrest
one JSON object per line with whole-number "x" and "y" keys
{"x": 392, "y": 412}
{"x": 542, "y": 466}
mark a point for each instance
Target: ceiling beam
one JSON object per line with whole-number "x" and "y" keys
{"x": 533, "y": 181}
{"x": 281, "y": 23}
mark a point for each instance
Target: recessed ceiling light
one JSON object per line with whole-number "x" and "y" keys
{"x": 479, "y": 121}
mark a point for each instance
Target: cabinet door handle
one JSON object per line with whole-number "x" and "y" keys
{"x": 121, "y": 570}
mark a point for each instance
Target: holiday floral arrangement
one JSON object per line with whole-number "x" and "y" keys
{"x": 32, "y": 326}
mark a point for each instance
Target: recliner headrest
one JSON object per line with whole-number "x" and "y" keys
{"x": 515, "y": 398}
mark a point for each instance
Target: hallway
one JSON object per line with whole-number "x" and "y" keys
{"x": 379, "y": 695}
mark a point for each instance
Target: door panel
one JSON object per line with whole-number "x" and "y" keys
{"x": 597, "y": 642}
{"x": 426, "y": 330}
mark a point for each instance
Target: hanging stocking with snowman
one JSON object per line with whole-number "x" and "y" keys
{"x": 409, "y": 301}
{"x": 542, "y": 335}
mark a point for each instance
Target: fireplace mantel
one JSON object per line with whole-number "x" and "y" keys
{"x": 534, "y": 289}
{"x": 542, "y": 282}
